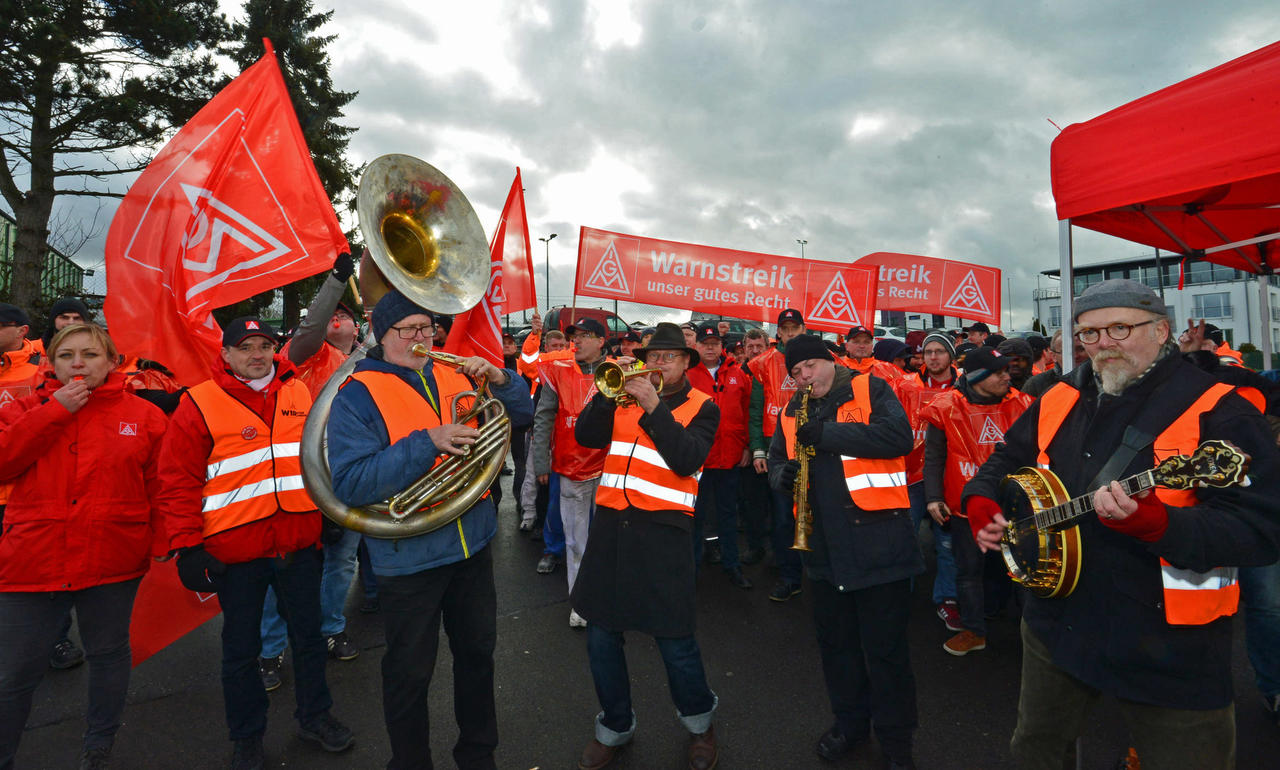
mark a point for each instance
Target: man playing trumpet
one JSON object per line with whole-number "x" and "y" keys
{"x": 863, "y": 552}
{"x": 390, "y": 423}
{"x": 638, "y": 573}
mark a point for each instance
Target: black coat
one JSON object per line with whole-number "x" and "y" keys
{"x": 853, "y": 548}
{"x": 1111, "y": 632}
{"x": 637, "y": 573}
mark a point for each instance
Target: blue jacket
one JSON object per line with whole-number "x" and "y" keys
{"x": 367, "y": 468}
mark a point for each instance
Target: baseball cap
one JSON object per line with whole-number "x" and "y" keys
{"x": 245, "y": 327}
{"x": 588, "y": 325}
{"x": 1212, "y": 332}
{"x": 790, "y": 315}
{"x": 978, "y": 327}
{"x": 631, "y": 337}
{"x": 707, "y": 330}
{"x": 12, "y": 314}
{"x": 859, "y": 329}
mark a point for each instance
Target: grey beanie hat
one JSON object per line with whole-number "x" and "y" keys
{"x": 944, "y": 338}
{"x": 1117, "y": 292}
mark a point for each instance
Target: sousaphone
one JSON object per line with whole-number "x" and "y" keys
{"x": 425, "y": 241}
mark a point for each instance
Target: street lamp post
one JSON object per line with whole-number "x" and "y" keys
{"x": 546, "y": 280}
{"x": 802, "y": 242}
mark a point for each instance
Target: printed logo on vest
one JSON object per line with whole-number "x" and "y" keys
{"x": 128, "y": 429}
{"x": 788, "y": 383}
{"x": 248, "y": 433}
{"x": 836, "y": 305}
{"x": 7, "y": 394}
{"x": 609, "y": 275}
{"x": 991, "y": 433}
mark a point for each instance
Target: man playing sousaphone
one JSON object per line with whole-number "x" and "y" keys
{"x": 638, "y": 573}
{"x": 863, "y": 551}
{"x": 390, "y": 423}
{"x": 1149, "y": 620}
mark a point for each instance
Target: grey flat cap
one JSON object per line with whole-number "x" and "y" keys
{"x": 1117, "y": 292}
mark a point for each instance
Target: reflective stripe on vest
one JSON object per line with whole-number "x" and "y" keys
{"x": 635, "y": 475}
{"x": 1190, "y": 598}
{"x": 873, "y": 484}
{"x": 254, "y": 470}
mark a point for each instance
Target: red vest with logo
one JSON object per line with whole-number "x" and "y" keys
{"x": 316, "y": 370}
{"x": 973, "y": 430}
{"x": 1190, "y": 598}
{"x": 635, "y": 475}
{"x": 914, "y": 391}
{"x": 770, "y": 370}
{"x": 574, "y": 389}
{"x": 882, "y": 369}
{"x": 254, "y": 470}
{"x": 730, "y": 388}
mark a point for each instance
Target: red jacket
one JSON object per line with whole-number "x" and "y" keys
{"x": 187, "y": 446}
{"x": 82, "y": 511}
{"x": 731, "y": 391}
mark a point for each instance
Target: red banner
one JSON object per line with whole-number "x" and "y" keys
{"x": 165, "y": 611}
{"x": 931, "y": 285}
{"x": 740, "y": 284}
{"x": 231, "y": 207}
{"x": 511, "y": 246}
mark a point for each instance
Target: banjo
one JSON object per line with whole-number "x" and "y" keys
{"x": 1041, "y": 543}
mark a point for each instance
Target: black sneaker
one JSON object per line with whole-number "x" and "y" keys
{"x": 248, "y": 755}
{"x": 96, "y": 758}
{"x": 269, "y": 668}
{"x": 784, "y": 590}
{"x": 64, "y": 655}
{"x": 327, "y": 731}
{"x": 341, "y": 646}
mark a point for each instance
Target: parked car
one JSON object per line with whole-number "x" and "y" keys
{"x": 737, "y": 326}
{"x": 561, "y": 318}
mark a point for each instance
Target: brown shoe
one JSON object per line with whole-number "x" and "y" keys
{"x": 702, "y": 752}
{"x": 596, "y": 755}
{"x": 964, "y": 643}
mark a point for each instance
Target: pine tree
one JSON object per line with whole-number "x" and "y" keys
{"x": 88, "y": 88}
{"x": 292, "y": 27}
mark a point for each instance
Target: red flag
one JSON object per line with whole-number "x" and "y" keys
{"x": 231, "y": 207}
{"x": 511, "y": 245}
{"x": 165, "y": 611}
{"x": 478, "y": 331}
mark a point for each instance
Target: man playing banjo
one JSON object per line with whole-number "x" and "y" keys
{"x": 1149, "y": 620}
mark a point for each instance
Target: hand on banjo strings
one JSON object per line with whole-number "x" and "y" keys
{"x": 452, "y": 438}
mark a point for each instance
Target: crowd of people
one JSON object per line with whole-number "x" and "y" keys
{"x": 699, "y": 447}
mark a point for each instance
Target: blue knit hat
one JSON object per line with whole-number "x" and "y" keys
{"x": 393, "y": 308}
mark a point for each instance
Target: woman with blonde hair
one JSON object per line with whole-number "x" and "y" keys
{"x": 79, "y": 530}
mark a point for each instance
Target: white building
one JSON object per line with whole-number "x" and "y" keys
{"x": 1222, "y": 296}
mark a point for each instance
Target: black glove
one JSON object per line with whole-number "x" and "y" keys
{"x": 198, "y": 570}
{"x": 344, "y": 267}
{"x": 787, "y": 476}
{"x": 810, "y": 433}
{"x": 330, "y": 531}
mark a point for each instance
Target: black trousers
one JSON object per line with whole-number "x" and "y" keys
{"x": 461, "y": 594}
{"x": 866, "y": 663}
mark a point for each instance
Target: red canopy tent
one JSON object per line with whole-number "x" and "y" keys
{"x": 1193, "y": 168}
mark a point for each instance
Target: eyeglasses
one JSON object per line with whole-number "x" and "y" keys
{"x": 409, "y": 332}
{"x": 663, "y": 357}
{"x": 1117, "y": 332}
{"x": 584, "y": 336}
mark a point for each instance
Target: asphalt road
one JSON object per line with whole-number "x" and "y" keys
{"x": 761, "y": 658}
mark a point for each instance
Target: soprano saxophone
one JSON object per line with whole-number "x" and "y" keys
{"x": 800, "y": 487}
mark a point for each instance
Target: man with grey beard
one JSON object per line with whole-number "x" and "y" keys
{"x": 1149, "y": 620}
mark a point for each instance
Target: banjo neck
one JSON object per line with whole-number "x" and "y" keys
{"x": 1067, "y": 514}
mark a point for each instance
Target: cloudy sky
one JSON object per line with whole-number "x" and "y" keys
{"x": 919, "y": 127}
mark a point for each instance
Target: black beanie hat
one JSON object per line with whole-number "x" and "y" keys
{"x": 804, "y": 347}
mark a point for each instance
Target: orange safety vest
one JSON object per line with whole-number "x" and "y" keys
{"x": 19, "y": 378}
{"x": 770, "y": 370}
{"x": 254, "y": 470}
{"x": 573, "y": 390}
{"x": 635, "y": 475}
{"x": 973, "y": 430}
{"x": 1190, "y": 598}
{"x": 316, "y": 370}
{"x": 874, "y": 484}
{"x": 882, "y": 369}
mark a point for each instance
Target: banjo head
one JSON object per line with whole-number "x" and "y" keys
{"x": 1047, "y": 563}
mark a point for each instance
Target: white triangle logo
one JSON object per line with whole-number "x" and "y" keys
{"x": 789, "y": 383}
{"x": 968, "y": 296}
{"x": 128, "y": 429}
{"x": 836, "y": 305}
{"x": 225, "y": 222}
{"x": 608, "y": 275}
{"x": 991, "y": 433}
{"x": 6, "y": 397}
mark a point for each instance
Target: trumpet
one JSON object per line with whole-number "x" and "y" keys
{"x": 611, "y": 379}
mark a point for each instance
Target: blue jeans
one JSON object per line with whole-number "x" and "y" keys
{"x": 553, "y": 526}
{"x": 944, "y": 582}
{"x": 368, "y": 580}
{"x": 335, "y": 582}
{"x": 784, "y": 535}
{"x": 1260, "y": 594}
{"x": 241, "y": 591}
{"x": 30, "y": 623}
{"x": 695, "y": 702}
{"x": 719, "y": 489}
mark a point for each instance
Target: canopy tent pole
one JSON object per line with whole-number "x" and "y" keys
{"x": 1066, "y": 319}
{"x": 1264, "y": 310}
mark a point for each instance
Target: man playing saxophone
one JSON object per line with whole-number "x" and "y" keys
{"x": 862, "y": 553}
{"x": 390, "y": 423}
